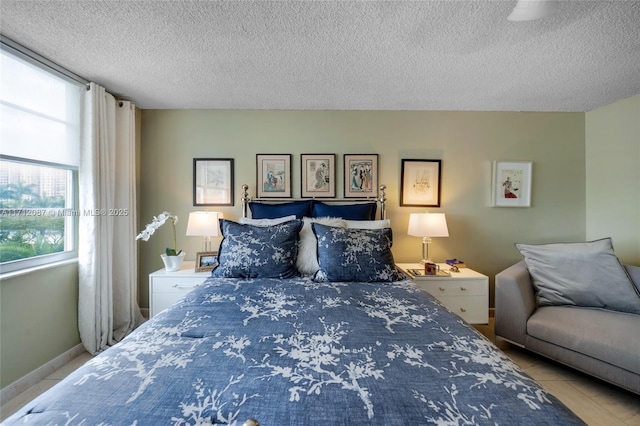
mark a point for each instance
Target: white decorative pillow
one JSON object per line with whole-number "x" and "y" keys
{"x": 581, "y": 274}
{"x": 307, "y": 262}
{"x": 266, "y": 222}
{"x": 368, "y": 224}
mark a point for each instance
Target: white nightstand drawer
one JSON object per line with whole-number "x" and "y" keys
{"x": 168, "y": 290}
{"x": 452, "y": 287}
{"x": 162, "y": 301}
{"x": 167, "y": 287}
{"x": 465, "y": 293}
{"x": 175, "y": 284}
{"x": 472, "y": 309}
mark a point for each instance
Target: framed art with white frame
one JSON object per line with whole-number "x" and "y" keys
{"x": 318, "y": 173}
{"x": 213, "y": 181}
{"x": 273, "y": 175}
{"x": 360, "y": 175}
{"x": 420, "y": 183}
{"x": 511, "y": 184}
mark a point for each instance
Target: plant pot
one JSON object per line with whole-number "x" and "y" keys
{"x": 172, "y": 263}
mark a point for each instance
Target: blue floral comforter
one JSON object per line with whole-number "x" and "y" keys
{"x": 296, "y": 352}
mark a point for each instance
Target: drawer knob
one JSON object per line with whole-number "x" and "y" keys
{"x": 441, "y": 288}
{"x": 463, "y": 310}
{"x": 185, "y": 286}
{"x": 463, "y": 288}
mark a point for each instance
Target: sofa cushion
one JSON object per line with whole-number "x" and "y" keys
{"x": 604, "y": 335}
{"x": 581, "y": 274}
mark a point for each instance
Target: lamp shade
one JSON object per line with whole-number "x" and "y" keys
{"x": 203, "y": 224}
{"x": 428, "y": 225}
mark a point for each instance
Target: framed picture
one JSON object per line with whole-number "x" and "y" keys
{"x": 420, "y": 183}
{"x": 360, "y": 175}
{"x": 273, "y": 175}
{"x": 511, "y": 184}
{"x": 206, "y": 261}
{"x": 318, "y": 172}
{"x": 213, "y": 181}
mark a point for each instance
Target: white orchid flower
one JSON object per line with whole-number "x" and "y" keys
{"x": 156, "y": 223}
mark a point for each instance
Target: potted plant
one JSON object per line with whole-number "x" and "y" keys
{"x": 172, "y": 258}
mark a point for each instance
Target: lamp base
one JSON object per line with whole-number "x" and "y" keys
{"x": 425, "y": 251}
{"x": 207, "y": 243}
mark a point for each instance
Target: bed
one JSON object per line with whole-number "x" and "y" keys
{"x": 355, "y": 342}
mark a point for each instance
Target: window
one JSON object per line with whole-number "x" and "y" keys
{"x": 39, "y": 156}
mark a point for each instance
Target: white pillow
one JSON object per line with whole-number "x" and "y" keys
{"x": 266, "y": 222}
{"x": 368, "y": 224}
{"x": 307, "y": 262}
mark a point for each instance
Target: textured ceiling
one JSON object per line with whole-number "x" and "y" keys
{"x": 339, "y": 55}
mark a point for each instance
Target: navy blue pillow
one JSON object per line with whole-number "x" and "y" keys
{"x": 349, "y": 254}
{"x": 249, "y": 251}
{"x": 363, "y": 211}
{"x": 272, "y": 211}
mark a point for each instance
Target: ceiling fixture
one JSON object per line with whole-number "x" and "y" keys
{"x": 529, "y": 10}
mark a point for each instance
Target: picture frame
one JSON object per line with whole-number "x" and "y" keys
{"x": 511, "y": 183}
{"x": 420, "y": 183}
{"x": 360, "y": 175}
{"x": 318, "y": 175}
{"x": 213, "y": 182}
{"x": 206, "y": 261}
{"x": 273, "y": 175}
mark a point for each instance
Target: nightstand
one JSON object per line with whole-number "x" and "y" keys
{"x": 466, "y": 293}
{"x": 166, "y": 288}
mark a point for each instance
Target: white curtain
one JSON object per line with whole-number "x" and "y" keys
{"x": 107, "y": 306}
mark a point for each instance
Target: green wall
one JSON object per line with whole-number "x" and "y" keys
{"x": 38, "y": 319}
{"x": 613, "y": 176}
{"x": 585, "y": 185}
{"x": 466, "y": 142}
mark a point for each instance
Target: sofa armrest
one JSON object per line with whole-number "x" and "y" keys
{"x": 634, "y": 273}
{"x": 515, "y": 302}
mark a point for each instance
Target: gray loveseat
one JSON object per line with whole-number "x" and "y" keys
{"x": 603, "y": 343}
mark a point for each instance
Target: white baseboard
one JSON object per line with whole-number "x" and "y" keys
{"x": 24, "y": 383}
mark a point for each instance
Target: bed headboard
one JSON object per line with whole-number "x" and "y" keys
{"x": 381, "y": 199}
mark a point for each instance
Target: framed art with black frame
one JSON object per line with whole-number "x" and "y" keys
{"x": 420, "y": 183}
{"x": 273, "y": 175}
{"x": 360, "y": 175}
{"x": 213, "y": 182}
{"x": 318, "y": 175}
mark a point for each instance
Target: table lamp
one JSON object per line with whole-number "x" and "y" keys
{"x": 205, "y": 225}
{"x": 427, "y": 225}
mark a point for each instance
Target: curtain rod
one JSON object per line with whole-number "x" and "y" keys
{"x": 39, "y": 60}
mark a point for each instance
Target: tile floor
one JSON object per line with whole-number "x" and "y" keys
{"x": 48, "y": 382}
{"x": 596, "y": 402}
